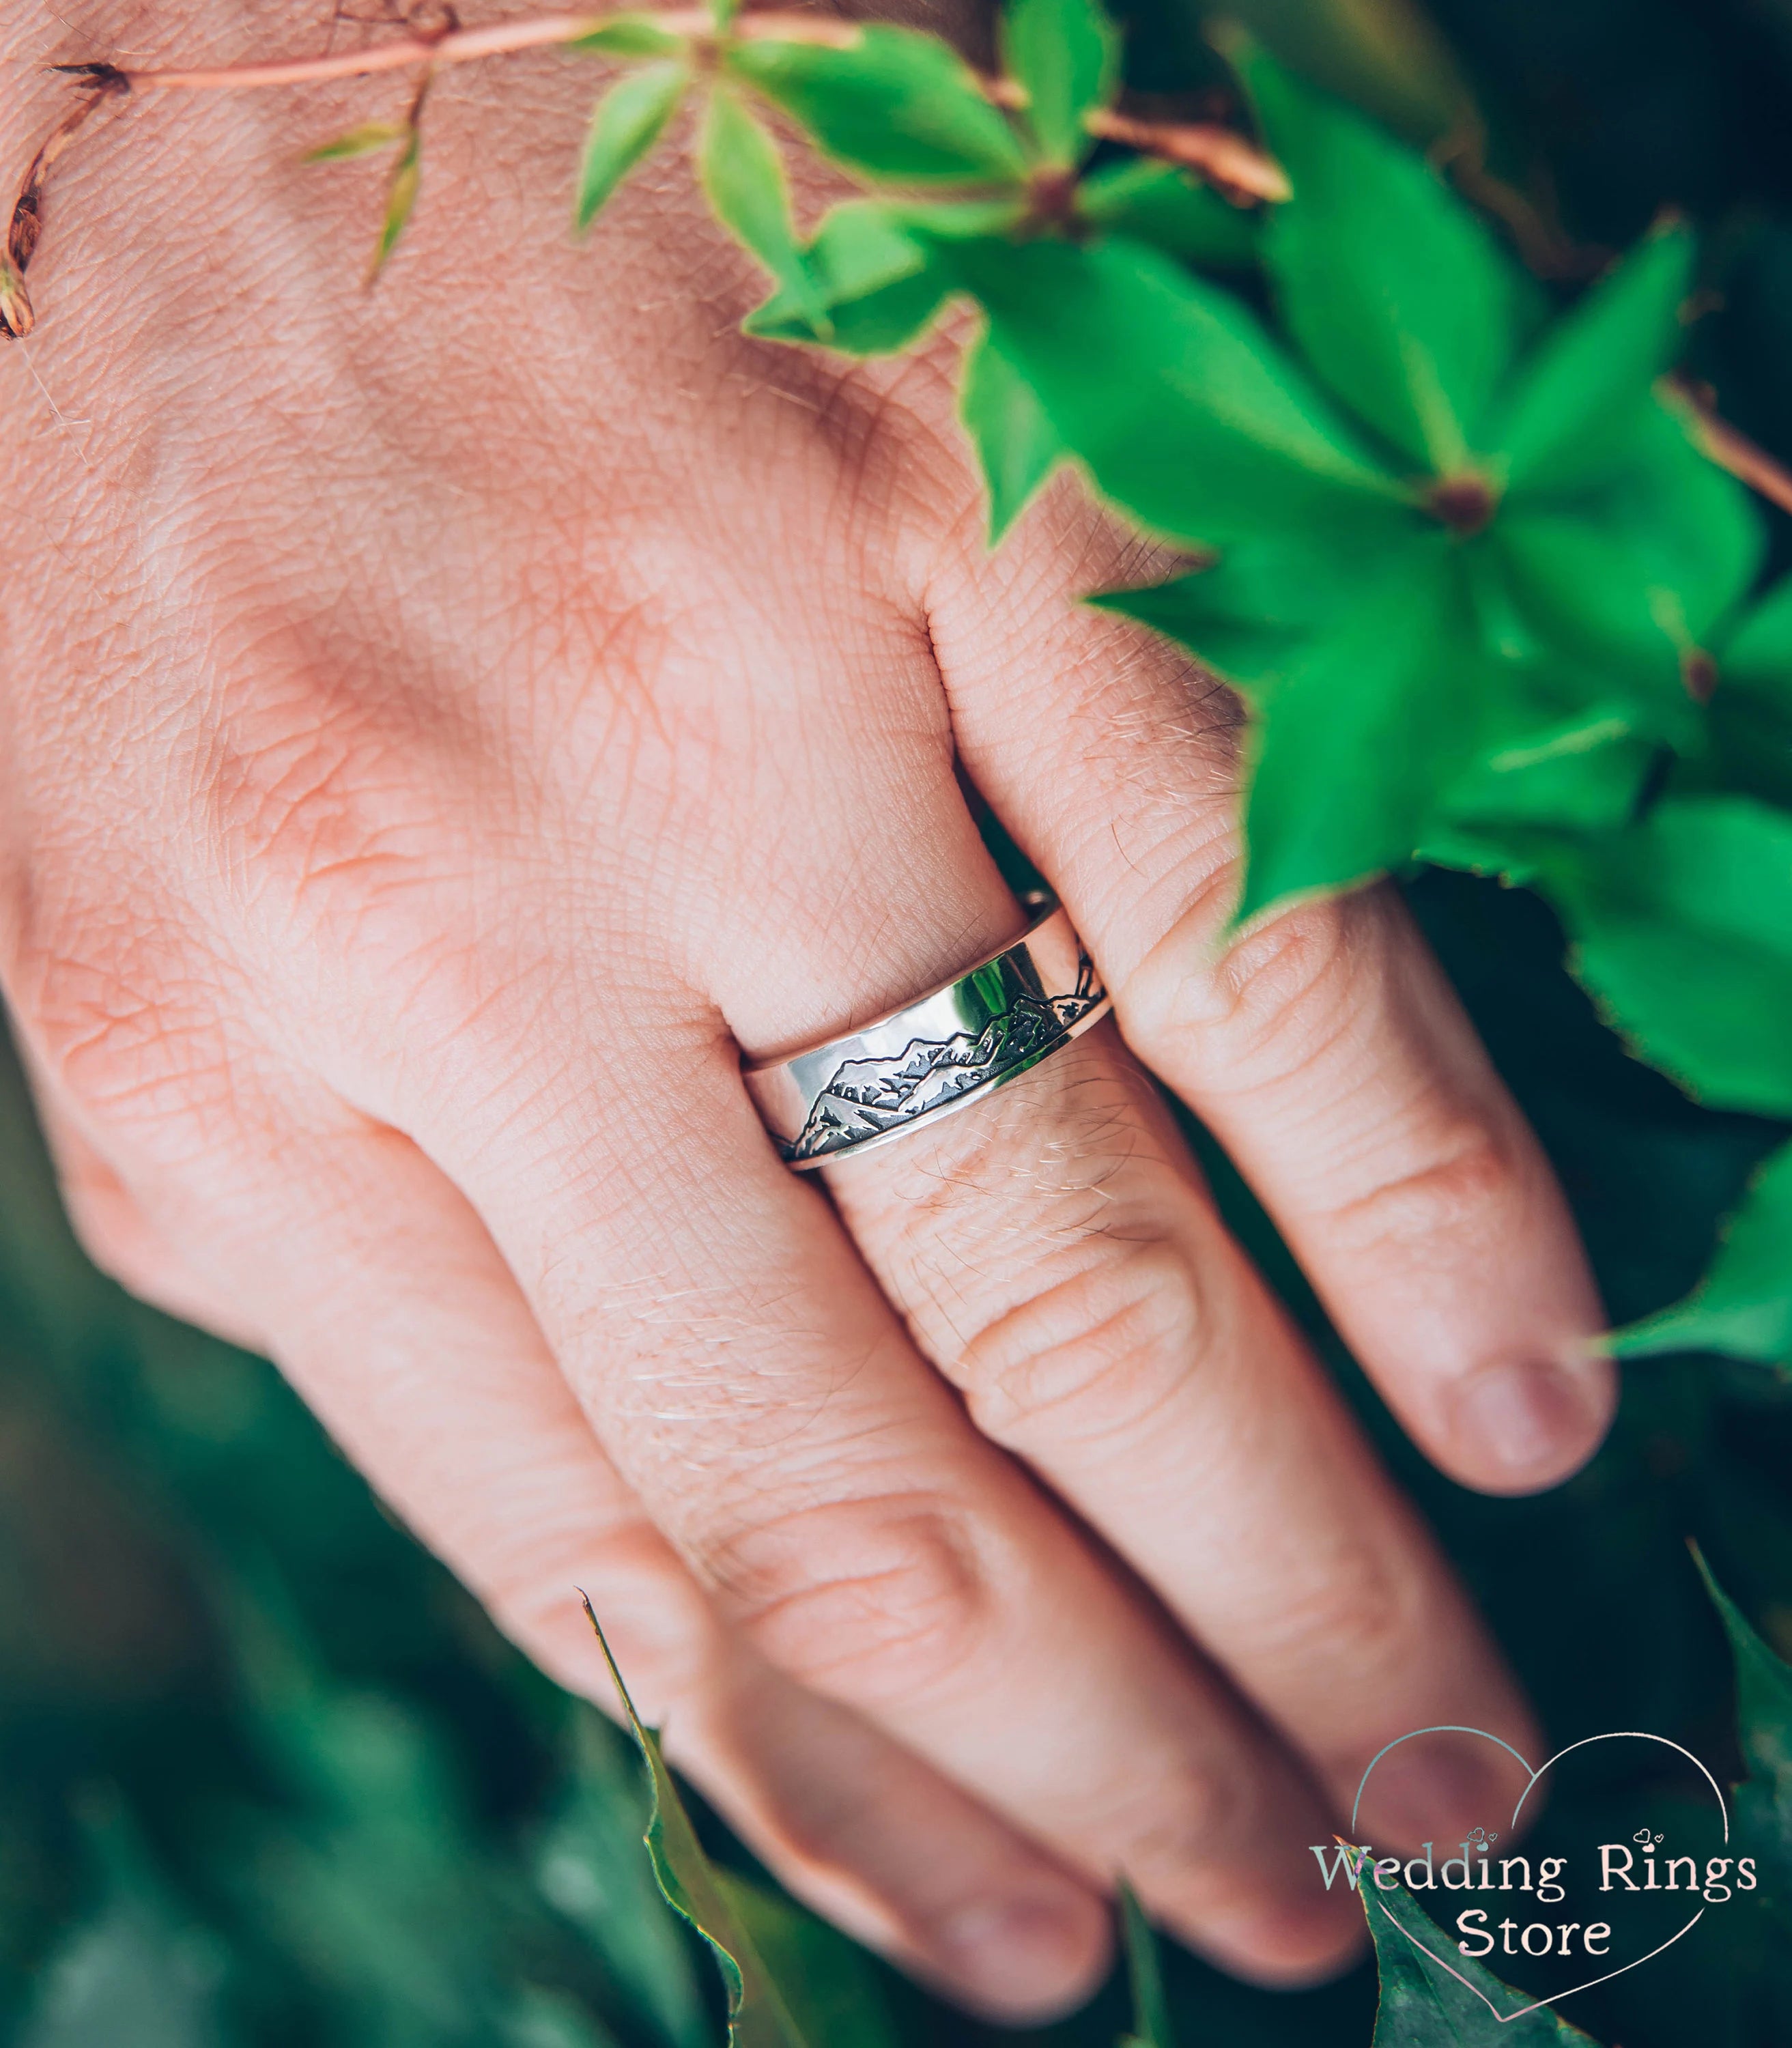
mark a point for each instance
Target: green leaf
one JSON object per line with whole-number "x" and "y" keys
{"x": 1682, "y": 929}
{"x": 1380, "y": 719}
{"x": 401, "y": 200}
{"x": 1197, "y": 424}
{"x": 1387, "y": 56}
{"x": 370, "y": 138}
{"x": 875, "y": 283}
{"x": 1631, "y": 578}
{"x": 588, "y": 1866}
{"x": 1356, "y": 732}
{"x": 1764, "y": 1728}
{"x": 1750, "y": 715}
{"x": 743, "y": 177}
{"x": 1396, "y": 294}
{"x": 630, "y": 36}
{"x": 629, "y": 119}
{"x": 1573, "y": 410}
{"x": 1013, "y": 439}
{"x": 1584, "y": 774}
{"x": 1451, "y": 2003}
{"x": 891, "y": 102}
{"x": 1742, "y": 1307}
{"x": 758, "y": 2016}
{"x": 834, "y": 1990}
{"x": 1065, "y": 55}
{"x": 1245, "y": 615}
{"x": 1150, "y": 2009}
{"x": 1161, "y": 204}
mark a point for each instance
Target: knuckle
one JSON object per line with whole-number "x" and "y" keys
{"x": 876, "y": 1599}
{"x": 329, "y": 812}
{"x": 1463, "y": 1170}
{"x": 1097, "y": 1355}
{"x": 1271, "y": 1005}
{"x": 1200, "y": 1810}
{"x": 663, "y": 1632}
{"x": 136, "y": 1038}
{"x": 1365, "y": 1599}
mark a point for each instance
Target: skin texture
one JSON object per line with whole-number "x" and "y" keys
{"x": 440, "y": 729}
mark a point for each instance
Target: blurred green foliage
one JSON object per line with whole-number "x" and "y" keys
{"x": 268, "y": 1780}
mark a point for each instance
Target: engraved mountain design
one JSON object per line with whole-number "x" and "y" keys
{"x": 864, "y": 1097}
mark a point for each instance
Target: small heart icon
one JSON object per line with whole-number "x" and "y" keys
{"x": 1486, "y": 1838}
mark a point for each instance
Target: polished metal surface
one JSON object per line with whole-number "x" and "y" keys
{"x": 942, "y": 1052}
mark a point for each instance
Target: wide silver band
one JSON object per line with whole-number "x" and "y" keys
{"x": 942, "y": 1052}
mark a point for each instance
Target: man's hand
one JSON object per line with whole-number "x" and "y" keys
{"x": 442, "y": 729}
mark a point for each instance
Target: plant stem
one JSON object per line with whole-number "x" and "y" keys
{"x": 1735, "y": 452}
{"x": 1217, "y": 153}
{"x": 471, "y": 45}
{"x": 1221, "y": 155}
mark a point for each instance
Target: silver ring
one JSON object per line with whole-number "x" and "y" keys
{"x": 944, "y": 1051}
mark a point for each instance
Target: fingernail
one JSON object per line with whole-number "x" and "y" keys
{"x": 1424, "y": 1792}
{"x": 1026, "y": 1959}
{"x": 1534, "y": 1420}
{"x": 1289, "y": 1947}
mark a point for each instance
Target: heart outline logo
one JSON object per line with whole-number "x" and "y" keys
{"x": 1611, "y": 1735}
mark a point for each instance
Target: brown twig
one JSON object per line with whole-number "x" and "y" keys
{"x": 1221, "y": 156}
{"x": 26, "y": 226}
{"x": 1732, "y": 450}
{"x": 472, "y": 45}
{"x": 1225, "y": 159}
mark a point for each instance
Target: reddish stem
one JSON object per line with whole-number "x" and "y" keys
{"x": 469, "y": 45}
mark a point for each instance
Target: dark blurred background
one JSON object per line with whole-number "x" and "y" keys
{"x": 268, "y": 1780}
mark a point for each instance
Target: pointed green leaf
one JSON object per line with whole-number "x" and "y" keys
{"x": 1150, "y": 2009}
{"x": 1574, "y": 403}
{"x": 370, "y": 138}
{"x": 401, "y": 200}
{"x": 1398, "y": 296}
{"x": 588, "y": 1866}
{"x": 1374, "y": 703}
{"x": 867, "y": 286}
{"x": 629, "y": 119}
{"x": 1355, "y": 734}
{"x": 1065, "y": 56}
{"x": 631, "y": 35}
{"x": 758, "y": 2016}
{"x": 1764, "y": 1727}
{"x": 891, "y": 102}
{"x": 743, "y": 176}
{"x": 1196, "y": 425}
{"x": 1434, "y": 1997}
{"x": 1750, "y": 715}
{"x": 1013, "y": 439}
{"x": 1682, "y": 930}
{"x": 1742, "y": 1307}
{"x": 1631, "y": 580}
{"x": 1160, "y": 204}
{"x": 875, "y": 265}
{"x": 834, "y": 1991}
{"x": 1389, "y": 57}
{"x": 1245, "y": 615}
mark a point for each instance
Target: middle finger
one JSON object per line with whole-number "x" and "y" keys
{"x": 1058, "y": 1258}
